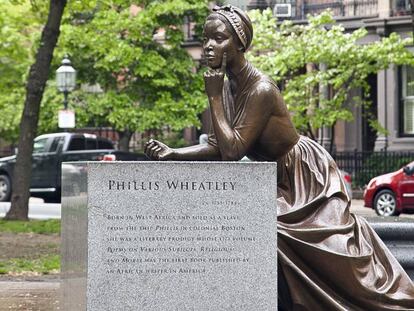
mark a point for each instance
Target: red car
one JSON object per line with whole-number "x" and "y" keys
{"x": 393, "y": 193}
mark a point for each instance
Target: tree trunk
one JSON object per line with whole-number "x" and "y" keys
{"x": 124, "y": 138}
{"x": 38, "y": 75}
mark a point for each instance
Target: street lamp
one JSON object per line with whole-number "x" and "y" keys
{"x": 65, "y": 79}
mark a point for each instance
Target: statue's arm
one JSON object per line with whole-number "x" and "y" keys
{"x": 201, "y": 152}
{"x": 234, "y": 142}
{"x": 157, "y": 150}
{"x": 229, "y": 143}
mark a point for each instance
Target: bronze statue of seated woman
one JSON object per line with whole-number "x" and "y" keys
{"x": 329, "y": 259}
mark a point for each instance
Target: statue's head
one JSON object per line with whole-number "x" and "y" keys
{"x": 227, "y": 30}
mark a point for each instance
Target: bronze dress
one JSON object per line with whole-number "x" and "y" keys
{"x": 329, "y": 258}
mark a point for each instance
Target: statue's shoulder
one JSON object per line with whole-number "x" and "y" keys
{"x": 266, "y": 86}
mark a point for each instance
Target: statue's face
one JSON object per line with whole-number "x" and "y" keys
{"x": 217, "y": 40}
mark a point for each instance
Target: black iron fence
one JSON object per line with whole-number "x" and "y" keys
{"x": 365, "y": 165}
{"x": 339, "y": 8}
{"x": 136, "y": 143}
{"x": 299, "y": 9}
{"x": 6, "y": 151}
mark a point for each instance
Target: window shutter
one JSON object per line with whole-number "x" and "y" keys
{"x": 409, "y": 81}
{"x": 409, "y": 116}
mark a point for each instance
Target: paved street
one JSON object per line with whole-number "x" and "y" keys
{"x": 358, "y": 208}
{"x": 37, "y": 209}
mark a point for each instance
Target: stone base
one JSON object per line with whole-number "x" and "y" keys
{"x": 169, "y": 236}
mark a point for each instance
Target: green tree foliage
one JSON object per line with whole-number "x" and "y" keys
{"x": 293, "y": 56}
{"x": 21, "y": 23}
{"x": 136, "y": 56}
{"x": 147, "y": 83}
{"x": 17, "y": 24}
{"x": 35, "y": 85}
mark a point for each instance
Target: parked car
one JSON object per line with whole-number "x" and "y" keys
{"x": 348, "y": 182}
{"x": 49, "y": 151}
{"x": 393, "y": 193}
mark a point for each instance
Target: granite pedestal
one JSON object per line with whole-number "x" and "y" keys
{"x": 160, "y": 236}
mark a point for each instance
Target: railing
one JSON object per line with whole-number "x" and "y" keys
{"x": 365, "y": 165}
{"x": 7, "y": 151}
{"x": 339, "y": 8}
{"x": 401, "y": 7}
{"x": 136, "y": 143}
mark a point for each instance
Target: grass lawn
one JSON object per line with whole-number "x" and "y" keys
{"x": 48, "y": 264}
{"x": 29, "y": 247}
{"x": 51, "y": 226}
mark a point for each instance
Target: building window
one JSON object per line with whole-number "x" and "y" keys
{"x": 401, "y": 7}
{"x": 242, "y": 4}
{"x": 407, "y": 99}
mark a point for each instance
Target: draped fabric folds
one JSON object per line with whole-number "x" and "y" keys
{"x": 330, "y": 259}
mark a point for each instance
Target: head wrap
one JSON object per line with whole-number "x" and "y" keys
{"x": 239, "y": 21}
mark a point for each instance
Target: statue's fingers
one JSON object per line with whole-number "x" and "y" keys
{"x": 152, "y": 150}
{"x": 162, "y": 145}
{"x": 157, "y": 152}
{"x": 158, "y": 144}
{"x": 148, "y": 146}
{"x": 148, "y": 152}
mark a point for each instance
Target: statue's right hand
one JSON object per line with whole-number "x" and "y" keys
{"x": 156, "y": 150}
{"x": 214, "y": 79}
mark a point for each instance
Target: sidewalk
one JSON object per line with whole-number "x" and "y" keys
{"x": 29, "y": 296}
